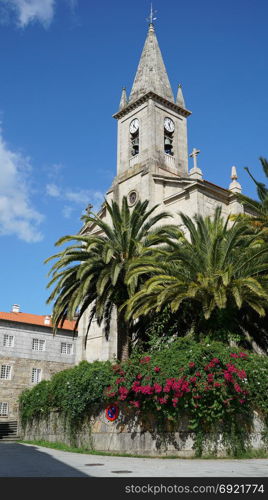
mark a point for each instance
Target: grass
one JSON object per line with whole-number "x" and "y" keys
{"x": 250, "y": 454}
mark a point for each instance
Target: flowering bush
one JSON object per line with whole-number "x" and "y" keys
{"x": 208, "y": 385}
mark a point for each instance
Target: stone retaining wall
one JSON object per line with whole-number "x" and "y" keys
{"x": 128, "y": 435}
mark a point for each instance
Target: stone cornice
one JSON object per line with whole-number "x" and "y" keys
{"x": 155, "y": 97}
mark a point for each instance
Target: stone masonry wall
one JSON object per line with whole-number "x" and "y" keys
{"x": 129, "y": 435}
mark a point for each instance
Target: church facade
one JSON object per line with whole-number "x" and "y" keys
{"x": 152, "y": 164}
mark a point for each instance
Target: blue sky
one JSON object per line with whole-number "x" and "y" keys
{"x": 62, "y": 67}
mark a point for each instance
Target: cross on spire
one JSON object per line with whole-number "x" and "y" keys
{"x": 151, "y": 17}
{"x": 194, "y": 154}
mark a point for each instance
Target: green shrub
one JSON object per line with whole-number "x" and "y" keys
{"x": 216, "y": 387}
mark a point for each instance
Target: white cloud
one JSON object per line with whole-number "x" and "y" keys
{"x": 78, "y": 197}
{"x": 28, "y": 11}
{"x": 53, "y": 190}
{"x": 17, "y": 215}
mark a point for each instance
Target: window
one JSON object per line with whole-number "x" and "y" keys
{"x": 8, "y": 340}
{"x": 38, "y": 345}
{"x": 3, "y": 409}
{"x": 66, "y": 348}
{"x": 36, "y": 375}
{"x": 5, "y": 372}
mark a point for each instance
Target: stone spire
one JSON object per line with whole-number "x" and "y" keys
{"x": 151, "y": 74}
{"x": 123, "y": 100}
{"x": 235, "y": 187}
{"x": 180, "y": 99}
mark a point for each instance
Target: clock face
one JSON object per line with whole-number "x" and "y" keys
{"x": 134, "y": 125}
{"x": 169, "y": 125}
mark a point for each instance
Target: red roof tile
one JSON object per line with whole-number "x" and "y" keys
{"x": 33, "y": 319}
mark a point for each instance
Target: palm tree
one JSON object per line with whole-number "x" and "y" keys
{"x": 217, "y": 266}
{"x": 258, "y": 207}
{"x": 91, "y": 272}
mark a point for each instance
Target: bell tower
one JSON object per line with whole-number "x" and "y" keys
{"x": 152, "y": 126}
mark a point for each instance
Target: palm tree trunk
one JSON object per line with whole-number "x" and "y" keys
{"x": 122, "y": 337}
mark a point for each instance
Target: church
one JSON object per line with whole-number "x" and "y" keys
{"x": 152, "y": 164}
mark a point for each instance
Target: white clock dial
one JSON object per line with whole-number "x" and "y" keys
{"x": 169, "y": 125}
{"x": 134, "y": 125}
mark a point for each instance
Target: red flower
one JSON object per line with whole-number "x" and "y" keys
{"x": 146, "y": 389}
{"x": 139, "y": 376}
{"x": 197, "y": 396}
{"x": 215, "y": 360}
{"x": 119, "y": 380}
{"x": 163, "y": 401}
{"x": 242, "y": 401}
{"x": 234, "y": 355}
{"x": 211, "y": 364}
{"x": 243, "y": 355}
{"x": 193, "y": 379}
{"x": 231, "y": 368}
{"x": 228, "y": 376}
{"x": 136, "y": 386}
{"x": 192, "y": 364}
{"x": 156, "y": 369}
{"x": 144, "y": 360}
{"x": 237, "y": 388}
{"x": 123, "y": 393}
{"x": 217, "y": 384}
{"x": 198, "y": 374}
{"x": 210, "y": 377}
{"x": 157, "y": 388}
{"x": 111, "y": 394}
{"x": 174, "y": 401}
{"x": 241, "y": 374}
{"x": 135, "y": 403}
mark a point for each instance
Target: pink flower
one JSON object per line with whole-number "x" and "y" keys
{"x": 231, "y": 368}
{"x": 123, "y": 393}
{"x": 193, "y": 379}
{"x": 111, "y": 394}
{"x": 228, "y": 376}
{"x": 211, "y": 364}
{"x": 162, "y": 401}
{"x": 243, "y": 355}
{"x": 146, "y": 389}
{"x": 198, "y": 374}
{"x": 168, "y": 385}
{"x": 174, "y": 401}
{"x": 242, "y": 374}
{"x": 210, "y": 377}
{"x": 234, "y": 355}
{"x": 217, "y": 384}
{"x": 119, "y": 380}
{"x": 215, "y": 360}
{"x": 139, "y": 376}
{"x": 136, "y": 386}
{"x": 157, "y": 388}
{"x": 191, "y": 364}
{"x": 242, "y": 401}
{"x": 135, "y": 403}
{"x": 197, "y": 396}
{"x": 156, "y": 369}
{"x": 144, "y": 360}
{"x": 237, "y": 388}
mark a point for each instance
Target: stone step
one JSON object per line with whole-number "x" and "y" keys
{"x": 11, "y": 439}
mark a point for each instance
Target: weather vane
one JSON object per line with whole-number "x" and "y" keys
{"x": 151, "y": 17}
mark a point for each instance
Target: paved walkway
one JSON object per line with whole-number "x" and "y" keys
{"x": 25, "y": 460}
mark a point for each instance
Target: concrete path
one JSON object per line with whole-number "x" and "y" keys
{"x": 25, "y": 460}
